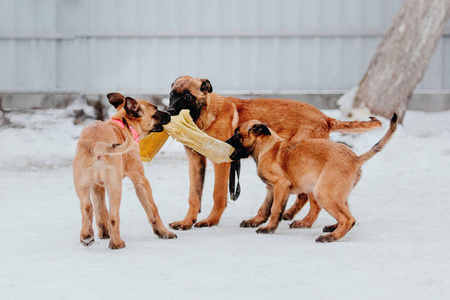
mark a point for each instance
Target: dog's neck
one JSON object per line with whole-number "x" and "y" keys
{"x": 264, "y": 143}
{"x": 135, "y": 134}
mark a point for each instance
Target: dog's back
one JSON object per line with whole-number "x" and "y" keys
{"x": 89, "y": 163}
{"x": 308, "y": 159}
{"x": 295, "y": 120}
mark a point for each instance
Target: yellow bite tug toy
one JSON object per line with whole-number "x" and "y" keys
{"x": 183, "y": 129}
{"x": 151, "y": 145}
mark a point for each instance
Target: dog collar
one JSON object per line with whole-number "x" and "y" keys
{"x": 133, "y": 131}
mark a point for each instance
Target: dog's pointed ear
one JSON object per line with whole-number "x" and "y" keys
{"x": 206, "y": 86}
{"x": 116, "y": 99}
{"x": 260, "y": 129}
{"x": 132, "y": 108}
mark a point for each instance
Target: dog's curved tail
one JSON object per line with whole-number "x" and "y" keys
{"x": 380, "y": 145}
{"x": 351, "y": 127}
{"x": 116, "y": 149}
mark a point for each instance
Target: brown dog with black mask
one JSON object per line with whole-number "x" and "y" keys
{"x": 327, "y": 169}
{"x": 106, "y": 153}
{"x": 219, "y": 116}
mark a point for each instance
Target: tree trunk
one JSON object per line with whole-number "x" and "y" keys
{"x": 402, "y": 57}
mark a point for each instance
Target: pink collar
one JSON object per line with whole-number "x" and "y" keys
{"x": 133, "y": 131}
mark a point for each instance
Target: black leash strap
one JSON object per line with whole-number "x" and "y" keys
{"x": 235, "y": 171}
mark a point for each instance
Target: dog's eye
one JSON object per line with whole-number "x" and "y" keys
{"x": 171, "y": 94}
{"x": 188, "y": 96}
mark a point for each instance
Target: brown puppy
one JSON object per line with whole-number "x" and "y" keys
{"x": 106, "y": 153}
{"x": 324, "y": 168}
{"x": 218, "y": 116}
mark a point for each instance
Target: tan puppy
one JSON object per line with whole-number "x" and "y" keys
{"x": 106, "y": 153}
{"x": 219, "y": 116}
{"x": 324, "y": 168}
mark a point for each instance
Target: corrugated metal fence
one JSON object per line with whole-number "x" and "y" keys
{"x": 141, "y": 46}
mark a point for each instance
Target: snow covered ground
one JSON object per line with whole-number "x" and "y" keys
{"x": 397, "y": 250}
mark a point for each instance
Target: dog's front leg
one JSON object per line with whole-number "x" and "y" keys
{"x": 197, "y": 166}
{"x": 221, "y": 174}
{"x": 263, "y": 212}
{"x": 144, "y": 194}
{"x": 281, "y": 196}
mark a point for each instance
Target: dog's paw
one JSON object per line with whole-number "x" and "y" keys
{"x": 206, "y": 223}
{"x": 87, "y": 241}
{"x": 166, "y": 235}
{"x": 181, "y": 225}
{"x": 326, "y": 239}
{"x": 103, "y": 235}
{"x": 249, "y": 223}
{"x": 265, "y": 230}
{"x": 116, "y": 245}
{"x": 300, "y": 224}
{"x": 103, "y": 231}
{"x": 330, "y": 228}
{"x": 287, "y": 216}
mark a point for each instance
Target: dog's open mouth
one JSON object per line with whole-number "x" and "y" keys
{"x": 157, "y": 128}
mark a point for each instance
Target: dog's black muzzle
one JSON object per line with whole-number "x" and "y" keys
{"x": 176, "y": 104}
{"x": 164, "y": 118}
{"x": 239, "y": 151}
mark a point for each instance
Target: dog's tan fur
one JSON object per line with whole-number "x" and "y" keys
{"x": 106, "y": 153}
{"x": 320, "y": 167}
{"x": 218, "y": 116}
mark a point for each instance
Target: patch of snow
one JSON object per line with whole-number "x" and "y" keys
{"x": 397, "y": 248}
{"x": 345, "y": 102}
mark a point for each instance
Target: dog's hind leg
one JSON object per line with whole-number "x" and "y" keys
{"x": 263, "y": 212}
{"x": 331, "y": 228}
{"x": 87, "y": 232}
{"x": 301, "y": 200}
{"x": 311, "y": 217}
{"x": 358, "y": 176}
{"x": 100, "y": 211}
{"x": 340, "y": 211}
{"x": 114, "y": 189}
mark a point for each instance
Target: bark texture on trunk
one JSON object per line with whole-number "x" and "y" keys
{"x": 402, "y": 57}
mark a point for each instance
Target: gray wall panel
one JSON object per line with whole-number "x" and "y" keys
{"x": 446, "y": 62}
{"x": 141, "y": 46}
{"x": 310, "y": 62}
{"x": 7, "y": 63}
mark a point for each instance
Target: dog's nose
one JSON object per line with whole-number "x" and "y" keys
{"x": 165, "y": 118}
{"x": 172, "y": 111}
{"x": 233, "y": 141}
